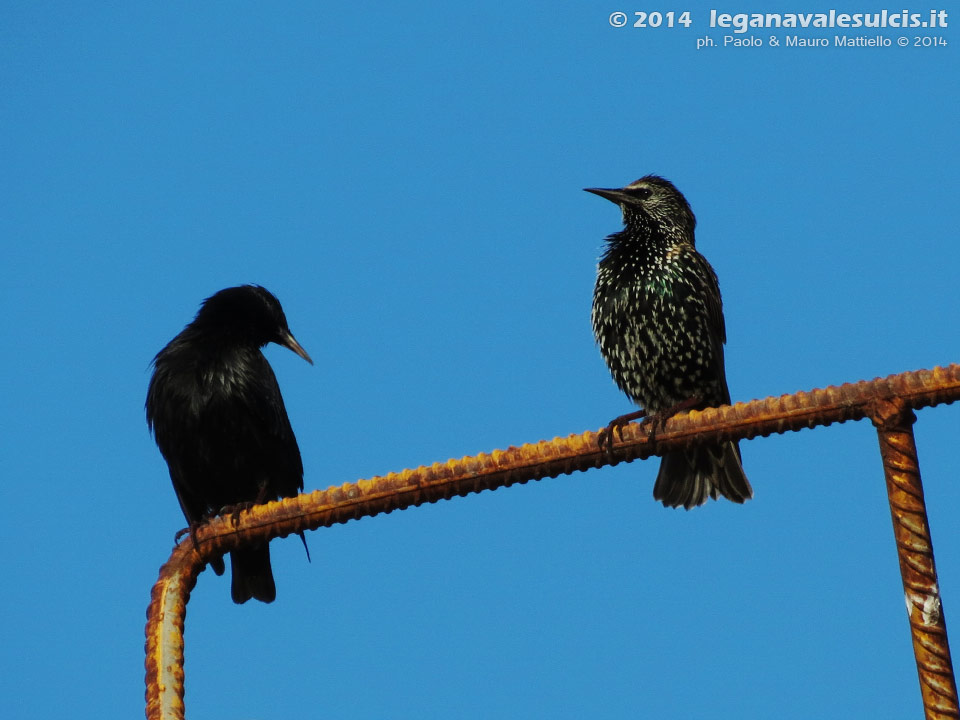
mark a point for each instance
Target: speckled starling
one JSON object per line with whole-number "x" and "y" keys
{"x": 658, "y": 318}
{"x": 218, "y": 417}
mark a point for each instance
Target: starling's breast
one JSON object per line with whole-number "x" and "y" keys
{"x": 652, "y": 325}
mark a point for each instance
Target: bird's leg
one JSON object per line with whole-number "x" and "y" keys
{"x": 216, "y": 562}
{"x": 614, "y": 428}
{"x": 658, "y": 421}
{"x": 181, "y": 533}
{"x": 234, "y": 511}
{"x": 192, "y": 529}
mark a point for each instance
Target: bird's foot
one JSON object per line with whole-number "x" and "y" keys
{"x": 658, "y": 421}
{"x": 215, "y": 562}
{"x": 606, "y": 437}
{"x": 181, "y": 533}
{"x": 192, "y": 530}
{"x": 234, "y": 511}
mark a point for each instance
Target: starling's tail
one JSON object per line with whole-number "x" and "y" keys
{"x": 689, "y": 477}
{"x": 252, "y": 575}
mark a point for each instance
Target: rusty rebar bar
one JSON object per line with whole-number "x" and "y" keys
{"x": 500, "y": 468}
{"x": 938, "y": 686}
{"x": 165, "y": 619}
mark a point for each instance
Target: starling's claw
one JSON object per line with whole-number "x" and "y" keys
{"x": 192, "y": 530}
{"x": 216, "y": 562}
{"x": 605, "y": 438}
{"x": 608, "y": 435}
{"x": 656, "y": 422}
{"x": 659, "y": 420}
{"x": 234, "y": 511}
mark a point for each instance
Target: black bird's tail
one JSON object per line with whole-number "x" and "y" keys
{"x": 252, "y": 575}
{"x": 689, "y": 477}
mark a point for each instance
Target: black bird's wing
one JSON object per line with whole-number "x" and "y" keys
{"x": 224, "y": 432}
{"x": 282, "y": 467}
{"x": 716, "y": 327}
{"x": 271, "y": 466}
{"x": 172, "y": 417}
{"x": 249, "y": 452}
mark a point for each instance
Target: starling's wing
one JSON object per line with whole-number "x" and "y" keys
{"x": 281, "y": 454}
{"x": 716, "y": 326}
{"x": 284, "y": 475}
{"x": 170, "y": 418}
{"x": 195, "y": 510}
{"x": 714, "y": 301}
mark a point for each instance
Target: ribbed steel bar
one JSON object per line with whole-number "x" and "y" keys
{"x": 938, "y": 686}
{"x": 165, "y": 618}
{"x": 488, "y": 471}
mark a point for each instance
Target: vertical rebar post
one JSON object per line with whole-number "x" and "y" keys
{"x": 938, "y": 687}
{"x": 168, "y": 603}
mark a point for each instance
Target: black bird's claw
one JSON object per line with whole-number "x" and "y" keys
{"x": 216, "y": 562}
{"x": 615, "y": 427}
{"x": 192, "y": 530}
{"x": 234, "y": 511}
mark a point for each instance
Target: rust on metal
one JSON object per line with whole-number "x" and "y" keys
{"x": 938, "y": 687}
{"x": 165, "y": 618}
{"x": 489, "y": 471}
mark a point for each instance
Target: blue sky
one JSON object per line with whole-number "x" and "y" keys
{"x": 407, "y": 179}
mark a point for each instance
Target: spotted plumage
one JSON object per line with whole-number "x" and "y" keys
{"x": 658, "y": 319}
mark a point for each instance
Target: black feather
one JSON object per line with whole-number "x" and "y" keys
{"x": 217, "y": 415}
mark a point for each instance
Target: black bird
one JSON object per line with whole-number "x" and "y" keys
{"x": 218, "y": 417}
{"x": 658, "y": 318}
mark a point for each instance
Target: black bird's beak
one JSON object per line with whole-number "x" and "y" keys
{"x": 290, "y": 342}
{"x": 614, "y": 195}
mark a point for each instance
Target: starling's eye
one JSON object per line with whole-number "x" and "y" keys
{"x": 642, "y": 193}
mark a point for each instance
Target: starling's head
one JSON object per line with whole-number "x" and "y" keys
{"x": 652, "y": 201}
{"x": 248, "y": 314}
